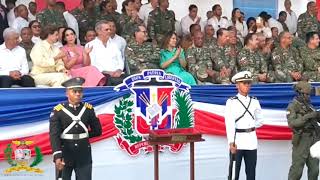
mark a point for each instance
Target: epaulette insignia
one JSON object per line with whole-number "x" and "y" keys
{"x": 233, "y": 97}
{"x": 58, "y": 107}
{"x": 253, "y": 97}
{"x": 87, "y": 105}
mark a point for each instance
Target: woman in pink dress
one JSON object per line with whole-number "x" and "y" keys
{"x": 78, "y": 62}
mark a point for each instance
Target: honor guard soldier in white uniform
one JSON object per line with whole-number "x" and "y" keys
{"x": 71, "y": 125}
{"x": 242, "y": 117}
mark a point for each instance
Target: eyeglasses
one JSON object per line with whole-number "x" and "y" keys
{"x": 145, "y": 32}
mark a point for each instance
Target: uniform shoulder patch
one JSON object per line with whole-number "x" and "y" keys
{"x": 87, "y": 105}
{"x": 58, "y": 107}
{"x": 233, "y": 97}
{"x": 253, "y": 97}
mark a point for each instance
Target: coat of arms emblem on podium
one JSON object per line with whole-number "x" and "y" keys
{"x": 155, "y": 101}
{"x": 22, "y": 157}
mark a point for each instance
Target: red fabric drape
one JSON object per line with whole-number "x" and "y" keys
{"x": 318, "y": 5}
{"x": 206, "y": 123}
{"x": 70, "y": 4}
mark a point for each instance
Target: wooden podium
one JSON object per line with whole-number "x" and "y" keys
{"x": 173, "y": 136}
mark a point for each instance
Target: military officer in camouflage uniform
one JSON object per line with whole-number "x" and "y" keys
{"x": 160, "y": 22}
{"x": 128, "y": 20}
{"x": 224, "y": 64}
{"x": 265, "y": 48}
{"x": 51, "y": 16}
{"x": 308, "y": 21}
{"x": 209, "y": 40}
{"x": 199, "y": 60}
{"x": 286, "y": 60}
{"x": 234, "y": 47}
{"x": 71, "y": 125}
{"x": 302, "y": 119}
{"x": 249, "y": 59}
{"x": 86, "y": 18}
{"x": 107, "y": 13}
{"x": 77, "y": 11}
{"x": 310, "y": 55}
{"x": 140, "y": 54}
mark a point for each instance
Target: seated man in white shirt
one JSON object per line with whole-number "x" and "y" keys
{"x": 13, "y": 64}
{"x": 22, "y": 20}
{"x": 105, "y": 54}
{"x": 191, "y": 18}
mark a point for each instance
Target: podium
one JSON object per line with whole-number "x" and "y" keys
{"x": 174, "y": 136}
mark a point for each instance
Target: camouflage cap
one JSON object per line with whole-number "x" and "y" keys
{"x": 303, "y": 87}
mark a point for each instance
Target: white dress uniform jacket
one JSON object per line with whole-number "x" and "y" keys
{"x": 234, "y": 110}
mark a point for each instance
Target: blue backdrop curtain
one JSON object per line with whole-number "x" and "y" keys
{"x": 19, "y": 106}
{"x": 252, "y": 8}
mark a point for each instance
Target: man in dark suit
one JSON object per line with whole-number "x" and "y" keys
{"x": 3, "y": 21}
{"x": 71, "y": 125}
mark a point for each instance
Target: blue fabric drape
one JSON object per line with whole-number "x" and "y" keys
{"x": 19, "y": 106}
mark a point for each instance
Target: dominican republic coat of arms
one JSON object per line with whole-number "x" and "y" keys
{"x": 156, "y": 101}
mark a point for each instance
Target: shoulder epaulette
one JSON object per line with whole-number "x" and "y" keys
{"x": 233, "y": 97}
{"x": 58, "y": 107}
{"x": 87, "y": 105}
{"x": 253, "y": 97}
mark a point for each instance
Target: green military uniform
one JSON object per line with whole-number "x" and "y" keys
{"x": 126, "y": 24}
{"x": 76, "y": 12}
{"x": 141, "y": 57}
{"x": 296, "y": 42}
{"x": 254, "y": 62}
{"x": 28, "y": 47}
{"x": 160, "y": 23}
{"x": 300, "y": 115}
{"x": 222, "y": 57}
{"x": 85, "y": 21}
{"x": 111, "y": 17}
{"x": 233, "y": 51}
{"x": 199, "y": 60}
{"x": 51, "y": 17}
{"x": 267, "y": 57}
{"x": 210, "y": 42}
{"x": 307, "y": 23}
{"x": 285, "y": 61}
{"x": 311, "y": 63}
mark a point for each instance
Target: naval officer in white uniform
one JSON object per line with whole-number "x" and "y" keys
{"x": 242, "y": 117}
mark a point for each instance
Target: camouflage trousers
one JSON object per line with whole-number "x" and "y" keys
{"x": 279, "y": 77}
{"x": 311, "y": 76}
{"x": 221, "y": 80}
{"x": 301, "y": 156}
{"x": 270, "y": 77}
